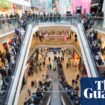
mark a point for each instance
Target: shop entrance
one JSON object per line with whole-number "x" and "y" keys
{"x": 79, "y": 9}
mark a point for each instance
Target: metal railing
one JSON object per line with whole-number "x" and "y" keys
{"x": 86, "y": 52}
{"x": 7, "y": 25}
{"x": 10, "y": 24}
{"x": 99, "y": 23}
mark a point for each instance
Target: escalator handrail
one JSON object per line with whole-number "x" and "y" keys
{"x": 88, "y": 55}
{"x": 65, "y": 96}
{"x": 93, "y": 60}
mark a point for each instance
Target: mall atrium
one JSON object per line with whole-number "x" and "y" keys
{"x": 46, "y": 47}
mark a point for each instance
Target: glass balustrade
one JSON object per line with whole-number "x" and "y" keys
{"x": 9, "y": 24}
{"x": 98, "y": 23}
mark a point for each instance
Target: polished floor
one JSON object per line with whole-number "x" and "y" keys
{"x": 70, "y": 74}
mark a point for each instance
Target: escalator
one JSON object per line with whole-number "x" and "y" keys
{"x": 64, "y": 99}
{"x": 57, "y": 94}
{"x": 17, "y": 78}
{"x": 86, "y": 52}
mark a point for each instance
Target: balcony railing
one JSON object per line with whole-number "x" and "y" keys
{"x": 98, "y": 23}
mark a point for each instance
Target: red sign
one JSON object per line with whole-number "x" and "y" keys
{"x": 14, "y": 6}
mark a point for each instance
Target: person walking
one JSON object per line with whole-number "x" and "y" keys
{"x": 29, "y": 92}
{"x": 35, "y": 84}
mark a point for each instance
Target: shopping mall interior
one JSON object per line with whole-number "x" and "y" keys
{"x": 44, "y": 55}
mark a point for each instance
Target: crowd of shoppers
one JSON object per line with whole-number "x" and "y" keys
{"x": 87, "y": 19}
{"x": 8, "y": 62}
{"x": 37, "y": 97}
{"x": 64, "y": 35}
{"x": 94, "y": 40}
{"x": 72, "y": 93}
{"x": 36, "y": 18}
{"x": 92, "y": 20}
{"x": 57, "y": 65}
{"x": 53, "y": 64}
{"x": 70, "y": 90}
{"x": 95, "y": 43}
{"x": 37, "y": 64}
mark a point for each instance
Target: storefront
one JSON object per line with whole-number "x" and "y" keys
{"x": 81, "y": 6}
{"x": 35, "y": 6}
{"x": 20, "y": 9}
{"x": 5, "y": 7}
{"x": 76, "y": 58}
{"x": 17, "y": 8}
{"x": 64, "y": 6}
{"x": 56, "y": 5}
{"x": 96, "y": 6}
{"x": 26, "y": 8}
{"x": 20, "y": 6}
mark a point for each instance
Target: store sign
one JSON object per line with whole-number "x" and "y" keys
{"x": 5, "y": 3}
{"x": 93, "y": 91}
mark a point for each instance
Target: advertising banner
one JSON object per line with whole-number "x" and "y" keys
{"x": 85, "y": 5}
